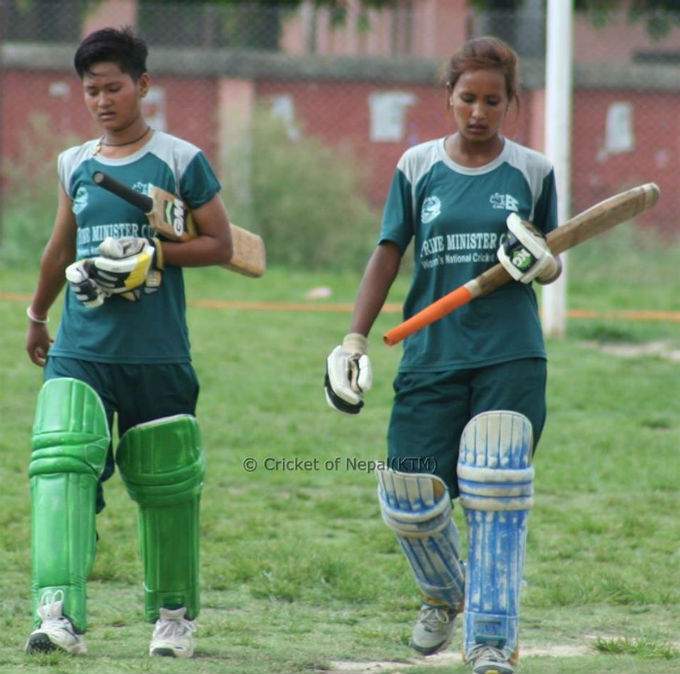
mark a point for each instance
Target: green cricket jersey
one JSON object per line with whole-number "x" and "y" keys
{"x": 152, "y": 330}
{"x": 455, "y": 216}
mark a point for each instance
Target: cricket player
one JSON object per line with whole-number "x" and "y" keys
{"x": 121, "y": 350}
{"x": 469, "y": 396}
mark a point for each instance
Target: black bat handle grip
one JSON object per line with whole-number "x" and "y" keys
{"x": 141, "y": 201}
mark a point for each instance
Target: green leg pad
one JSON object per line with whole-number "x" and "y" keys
{"x": 162, "y": 465}
{"x": 70, "y": 442}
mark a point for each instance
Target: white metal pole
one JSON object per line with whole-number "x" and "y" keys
{"x": 558, "y": 104}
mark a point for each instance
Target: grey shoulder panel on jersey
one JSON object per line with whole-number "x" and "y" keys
{"x": 416, "y": 162}
{"x": 175, "y": 152}
{"x": 69, "y": 160}
{"x": 533, "y": 165}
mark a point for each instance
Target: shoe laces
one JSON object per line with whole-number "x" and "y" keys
{"x": 173, "y": 624}
{"x": 433, "y": 616}
{"x": 487, "y": 652}
{"x": 50, "y": 607}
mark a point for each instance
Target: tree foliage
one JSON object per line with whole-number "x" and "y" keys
{"x": 336, "y": 6}
{"x": 659, "y": 16}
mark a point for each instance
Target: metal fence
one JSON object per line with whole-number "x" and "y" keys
{"x": 364, "y": 82}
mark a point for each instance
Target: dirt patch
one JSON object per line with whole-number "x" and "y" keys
{"x": 662, "y": 349}
{"x": 448, "y": 658}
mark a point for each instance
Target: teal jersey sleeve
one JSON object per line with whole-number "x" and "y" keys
{"x": 456, "y": 216}
{"x": 154, "y": 329}
{"x": 198, "y": 183}
{"x": 546, "y": 207}
{"x": 397, "y": 221}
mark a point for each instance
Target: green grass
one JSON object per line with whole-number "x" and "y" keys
{"x": 298, "y": 569}
{"x": 643, "y": 647}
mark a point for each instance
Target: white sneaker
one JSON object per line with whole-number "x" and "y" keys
{"x": 434, "y": 629}
{"x": 490, "y": 660}
{"x": 56, "y": 631}
{"x": 173, "y": 635}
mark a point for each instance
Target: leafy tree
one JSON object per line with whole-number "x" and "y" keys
{"x": 217, "y": 23}
{"x": 335, "y": 5}
{"x": 243, "y": 23}
{"x": 659, "y": 16}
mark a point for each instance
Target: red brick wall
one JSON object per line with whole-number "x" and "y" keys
{"x": 339, "y": 111}
{"x": 190, "y": 108}
{"x": 595, "y": 175}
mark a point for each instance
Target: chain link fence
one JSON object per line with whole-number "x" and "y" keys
{"x": 305, "y": 111}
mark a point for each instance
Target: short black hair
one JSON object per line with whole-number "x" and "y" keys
{"x": 114, "y": 45}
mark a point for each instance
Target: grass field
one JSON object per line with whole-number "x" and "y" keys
{"x": 299, "y": 572}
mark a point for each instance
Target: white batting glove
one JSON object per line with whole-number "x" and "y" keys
{"x": 348, "y": 374}
{"x": 123, "y": 265}
{"x": 83, "y": 286}
{"x": 525, "y": 254}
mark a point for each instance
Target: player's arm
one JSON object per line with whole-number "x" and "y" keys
{"x": 59, "y": 252}
{"x": 380, "y": 272}
{"x": 348, "y": 369}
{"x": 555, "y": 275}
{"x": 546, "y": 219}
{"x": 130, "y": 266}
{"x": 213, "y": 245}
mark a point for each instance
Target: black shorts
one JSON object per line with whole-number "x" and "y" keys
{"x": 431, "y": 410}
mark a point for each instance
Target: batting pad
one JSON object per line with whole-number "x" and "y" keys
{"x": 162, "y": 465}
{"x": 69, "y": 446}
{"x": 495, "y": 477}
{"x": 417, "y": 507}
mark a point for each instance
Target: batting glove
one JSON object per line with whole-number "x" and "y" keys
{"x": 83, "y": 286}
{"x": 525, "y": 254}
{"x": 124, "y": 266}
{"x": 348, "y": 374}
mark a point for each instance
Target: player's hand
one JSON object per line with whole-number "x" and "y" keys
{"x": 348, "y": 374}
{"x": 38, "y": 342}
{"x": 83, "y": 285}
{"x": 525, "y": 254}
{"x": 122, "y": 265}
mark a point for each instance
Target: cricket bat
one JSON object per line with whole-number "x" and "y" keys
{"x": 591, "y": 222}
{"x": 170, "y": 216}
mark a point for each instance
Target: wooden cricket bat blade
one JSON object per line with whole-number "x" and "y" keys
{"x": 167, "y": 214}
{"x": 591, "y": 222}
{"x": 170, "y": 216}
{"x": 250, "y": 256}
{"x": 603, "y": 216}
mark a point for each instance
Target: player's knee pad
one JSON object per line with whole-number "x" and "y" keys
{"x": 495, "y": 478}
{"x": 162, "y": 465}
{"x": 417, "y": 507}
{"x": 69, "y": 447}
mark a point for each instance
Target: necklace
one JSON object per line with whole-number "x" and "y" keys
{"x": 101, "y": 142}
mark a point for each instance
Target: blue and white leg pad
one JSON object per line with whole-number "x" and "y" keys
{"x": 417, "y": 507}
{"x": 495, "y": 477}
